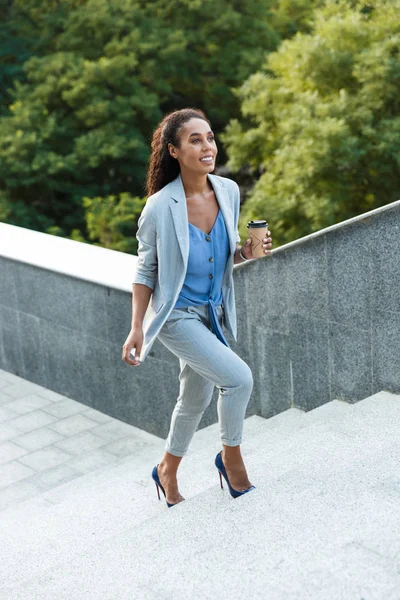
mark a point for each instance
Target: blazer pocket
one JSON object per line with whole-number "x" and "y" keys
{"x": 157, "y": 304}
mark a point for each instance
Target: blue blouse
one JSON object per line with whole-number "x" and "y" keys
{"x": 208, "y": 254}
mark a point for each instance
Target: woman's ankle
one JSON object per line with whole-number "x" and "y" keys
{"x": 169, "y": 463}
{"x": 231, "y": 455}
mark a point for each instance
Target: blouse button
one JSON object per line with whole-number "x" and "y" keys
{"x": 211, "y": 259}
{"x": 211, "y": 276}
{"x": 208, "y": 239}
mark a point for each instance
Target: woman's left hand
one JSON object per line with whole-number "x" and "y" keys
{"x": 267, "y": 245}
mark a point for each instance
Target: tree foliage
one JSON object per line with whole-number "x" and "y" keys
{"x": 291, "y": 16}
{"x": 99, "y": 77}
{"x": 110, "y": 221}
{"x": 320, "y": 126}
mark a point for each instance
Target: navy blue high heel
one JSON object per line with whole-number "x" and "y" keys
{"x": 221, "y": 469}
{"x": 156, "y": 478}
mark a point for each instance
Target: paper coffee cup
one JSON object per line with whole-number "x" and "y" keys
{"x": 257, "y": 232}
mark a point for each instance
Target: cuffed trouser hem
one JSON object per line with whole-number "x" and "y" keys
{"x": 175, "y": 452}
{"x": 232, "y": 442}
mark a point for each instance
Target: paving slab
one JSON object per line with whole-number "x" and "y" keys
{"x": 64, "y": 408}
{"x": 29, "y": 403}
{"x": 7, "y": 414}
{"x": 10, "y": 451}
{"x": 5, "y": 398}
{"x": 3, "y": 383}
{"x": 45, "y": 458}
{"x": 48, "y": 440}
{"x": 32, "y": 420}
{"x": 38, "y": 438}
{"x": 13, "y": 471}
{"x": 21, "y": 388}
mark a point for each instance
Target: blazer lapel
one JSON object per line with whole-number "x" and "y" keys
{"x": 180, "y": 218}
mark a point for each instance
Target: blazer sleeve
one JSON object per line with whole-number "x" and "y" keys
{"x": 237, "y": 210}
{"x": 147, "y": 263}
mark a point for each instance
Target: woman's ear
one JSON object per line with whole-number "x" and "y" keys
{"x": 172, "y": 150}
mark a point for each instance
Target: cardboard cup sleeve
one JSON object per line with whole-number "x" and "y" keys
{"x": 257, "y": 232}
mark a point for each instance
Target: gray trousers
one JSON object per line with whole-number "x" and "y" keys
{"x": 205, "y": 363}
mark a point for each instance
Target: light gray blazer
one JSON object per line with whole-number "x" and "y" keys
{"x": 163, "y": 250}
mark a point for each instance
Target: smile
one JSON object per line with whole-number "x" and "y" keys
{"x": 207, "y": 159}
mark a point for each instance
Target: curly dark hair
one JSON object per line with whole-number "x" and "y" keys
{"x": 163, "y": 167}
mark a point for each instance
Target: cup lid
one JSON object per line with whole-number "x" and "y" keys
{"x": 259, "y": 223}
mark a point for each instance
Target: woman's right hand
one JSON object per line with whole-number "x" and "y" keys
{"x": 133, "y": 341}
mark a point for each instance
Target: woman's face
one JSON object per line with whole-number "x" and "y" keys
{"x": 198, "y": 150}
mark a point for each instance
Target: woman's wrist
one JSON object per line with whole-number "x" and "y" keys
{"x": 241, "y": 255}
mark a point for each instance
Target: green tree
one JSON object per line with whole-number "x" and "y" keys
{"x": 101, "y": 76}
{"x": 321, "y": 125}
{"x": 111, "y": 221}
{"x": 291, "y": 16}
{"x": 13, "y": 53}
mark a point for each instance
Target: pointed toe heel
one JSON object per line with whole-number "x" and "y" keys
{"x": 222, "y": 473}
{"x": 156, "y": 479}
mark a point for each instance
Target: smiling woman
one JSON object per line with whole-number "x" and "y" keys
{"x": 194, "y": 148}
{"x": 188, "y": 240}
{"x": 173, "y": 138}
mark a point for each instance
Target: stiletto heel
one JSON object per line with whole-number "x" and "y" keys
{"x": 222, "y": 471}
{"x": 158, "y": 491}
{"x": 220, "y": 480}
{"x": 156, "y": 478}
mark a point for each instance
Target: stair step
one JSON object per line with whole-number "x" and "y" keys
{"x": 198, "y": 473}
{"x": 205, "y": 445}
{"x": 139, "y": 465}
{"x": 379, "y": 401}
{"x": 208, "y": 435}
{"x": 328, "y": 411}
{"x": 335, "y": 521}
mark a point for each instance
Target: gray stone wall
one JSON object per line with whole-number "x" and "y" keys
{"x": 323, "y": 321}
{"x": 66, "y": 334}
{"x": 319, "y": 319}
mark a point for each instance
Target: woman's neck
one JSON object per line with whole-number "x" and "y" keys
{"x": 195, "y": 185}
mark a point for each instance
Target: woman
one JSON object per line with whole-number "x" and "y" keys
{"x": 188, "y": 240}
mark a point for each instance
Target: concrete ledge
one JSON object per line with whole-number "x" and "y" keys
{"x": 359, "y": 219}
{"x": 60, "y": 255}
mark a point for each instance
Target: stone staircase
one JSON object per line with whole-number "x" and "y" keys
{"x": 323, "y": 521}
